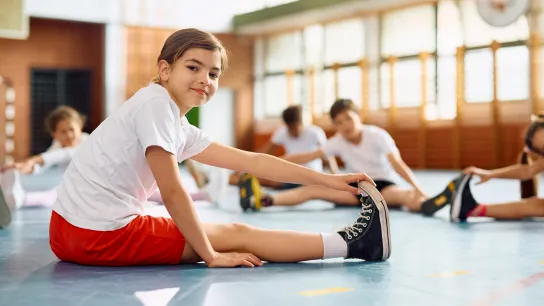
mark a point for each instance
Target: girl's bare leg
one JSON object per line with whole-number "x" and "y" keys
{"x": 526, "y": 208}
{"x": 268, "y": 245}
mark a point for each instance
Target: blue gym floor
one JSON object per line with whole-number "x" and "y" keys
{"x": 433, "y": 262}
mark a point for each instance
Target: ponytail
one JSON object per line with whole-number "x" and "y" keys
{"x": 156, "y": 80}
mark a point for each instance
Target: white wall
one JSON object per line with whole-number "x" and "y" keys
{"x": 216, "y": 118}
{"x": 209, "y": 15}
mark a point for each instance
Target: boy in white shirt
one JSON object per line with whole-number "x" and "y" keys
{"x": 362, "y": 148}
{"x": 99, "y": 218}
{"x": 65, "y": 126}
{"x": 295, "y": 137}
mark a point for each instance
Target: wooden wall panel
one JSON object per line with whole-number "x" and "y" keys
{"x": 512, "y": 142}
{"x": 52, "y": 44}
{"x": 439, "y": 148}
{"x": 407, "y": 141}
{"x": 477, "y": 146}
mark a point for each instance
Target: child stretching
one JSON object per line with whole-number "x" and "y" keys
{"x": 295, "y": 137}
{"x": 98, "y": 217}
{"x": 65, "y": 126}
{"x": 362, "y": 148}
{"x": 464, "y": 205}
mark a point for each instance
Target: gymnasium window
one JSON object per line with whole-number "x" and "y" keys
{"x": 350, "y": 81}
{"x": 275, "y": 95}
{"x": 408, "y": 31}
{"x": 479, "y": 76}
{"x": 276, "y": 55}
{"x": 513, "y": 73}
{"x": 478, "y": 33}
{"x": 449, "y": 38}
{"x": 446, "y": 107}
{"x": 512, "y": 58}
{"x": 405, "y": 35}
{"x": 313, "y": 39}
{"x": 344, "y": 45}
{"x": 344, "y": 41}
{"x": 258, "y": 83}
{"x": 407, "y": 82}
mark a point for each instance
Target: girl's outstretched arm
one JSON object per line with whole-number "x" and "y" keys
{"x": 273, "y": 168}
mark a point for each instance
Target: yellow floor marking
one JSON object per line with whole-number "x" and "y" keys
{"x": 324, "y": 291}
{"x": 450, "y": 274}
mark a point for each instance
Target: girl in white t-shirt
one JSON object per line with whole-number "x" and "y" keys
{"x": 65, "y": 126}
{"x": 99, "y": 219}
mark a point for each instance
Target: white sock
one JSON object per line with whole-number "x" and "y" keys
{"x": 334, "y": 246}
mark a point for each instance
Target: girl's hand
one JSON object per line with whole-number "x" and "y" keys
{"x": 229, "y": 260}
{"x": 342, "y": 181}
{"x": 485, "y": 175}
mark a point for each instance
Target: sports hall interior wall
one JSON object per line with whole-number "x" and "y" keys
{"x": 52, "y": 44}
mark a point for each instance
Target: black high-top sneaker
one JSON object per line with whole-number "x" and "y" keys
{"x": 463, "y": 202}
{"x": 441, "y": 200}
{"x": 5, "y": 211}
{"x": 369, "y": 237}
{"x": 250, "y": 192}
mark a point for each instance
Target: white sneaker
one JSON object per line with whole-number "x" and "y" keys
{"x": 14, "y": 193}
{"x": 218, "y": 181}
{"x": 5, "y": 211}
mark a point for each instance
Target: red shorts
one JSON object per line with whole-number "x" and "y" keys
{"x": 146, "y": 240}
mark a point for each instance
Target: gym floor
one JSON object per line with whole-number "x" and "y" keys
{"x": 433, "y": 262}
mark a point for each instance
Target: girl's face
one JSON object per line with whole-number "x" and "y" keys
{"x": 193, "y": 79}
{"x": 537, "y": 142}
{"x": 67, "y": 132}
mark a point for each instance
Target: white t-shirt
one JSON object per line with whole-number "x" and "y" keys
{"x": 109, "y": 181}
{"x": 310, "y": 139}
{"x": 56, "y": 155}
{"x": 369, "y": 156}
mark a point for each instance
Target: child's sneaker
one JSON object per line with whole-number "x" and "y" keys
{"x": 250, "y": 192}
{"x": 369, "y": 237}
{"x": 12, "y": 195}
{"x": 441, "y": 200}
{"x": 463, "y": 202}
{"x": 5, "y": 211}
{"x": 10, "y": 182}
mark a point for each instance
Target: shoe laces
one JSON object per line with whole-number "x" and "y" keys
{"x": 362, "y": 222}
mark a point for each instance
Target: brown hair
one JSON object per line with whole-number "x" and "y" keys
{"x": 180, "y": 41}
{"x": 63, "y": 113}
{"x": 340, "y": 106}
{"x": 292, "y": 115}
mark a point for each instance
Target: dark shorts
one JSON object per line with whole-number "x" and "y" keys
{"x": 380, "y": 185}
{"x": 289, "y": 186}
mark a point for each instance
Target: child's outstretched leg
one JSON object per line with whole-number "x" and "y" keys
{"x": 252, "y": 197}
{"x": 430, "y": 206}
{"x": 368, "y": 238}
{"x": 464, "y": 206}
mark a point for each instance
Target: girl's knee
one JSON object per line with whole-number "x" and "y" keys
{"x": 240, "y": 228}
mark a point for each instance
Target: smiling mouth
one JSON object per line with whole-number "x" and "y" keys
{"x": 200, "y": 92}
